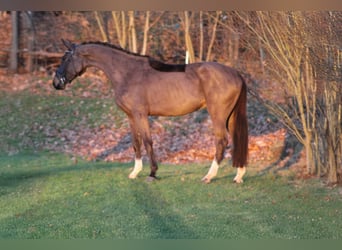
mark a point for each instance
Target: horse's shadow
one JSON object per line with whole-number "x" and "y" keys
{"x": 122, "y": 145}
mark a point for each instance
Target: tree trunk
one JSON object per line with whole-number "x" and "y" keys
{"x": 213, "y": 34}
{"x": 132, "y": 33}
{"x": 101, "y": 26}
{"x": 13, "y": 67}
{"x": 188, "y": 42}
{"x": 201, "y": 37}
{"x": 28, "y": 27}
{"x": 146, "y": 29}
{"x": 120, "y": 27}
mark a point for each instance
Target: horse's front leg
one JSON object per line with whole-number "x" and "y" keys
{"x": 136, "y": 140}
{"x": 141, "y": 132}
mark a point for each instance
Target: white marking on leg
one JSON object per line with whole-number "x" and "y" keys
{"x": 212, "y": 172}
{"x": 138, "y": 166}
{"x": 239, "y": 174}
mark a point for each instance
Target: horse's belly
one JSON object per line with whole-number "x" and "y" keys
{"x": 176, "y": 107}
{"x": 175, "y": 94}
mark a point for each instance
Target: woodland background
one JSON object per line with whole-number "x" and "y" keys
{"x": 291, "y": 61}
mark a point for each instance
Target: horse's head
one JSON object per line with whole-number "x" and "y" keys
{"x": 72, "y": 66}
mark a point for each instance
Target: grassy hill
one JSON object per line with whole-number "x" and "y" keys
{"x": 49, "y": 193}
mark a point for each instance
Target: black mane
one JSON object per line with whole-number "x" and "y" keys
{"x": 114, "y": 47}
{"x": 154, "y": 63}
{"x": 164, "y": 67}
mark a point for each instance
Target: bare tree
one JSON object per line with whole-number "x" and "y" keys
{"x": 99, "y": 21}
{"x": 13, "y": 63}
{"x": 313, "y": 108}
{"x": 213, "y": 34}
{"x": 119, "y": 18}
{"x": 132, "y": 41}
{"x": 30, "y": 33}
{"x": 186, "y": 20}
{"x": 146, "y": 29}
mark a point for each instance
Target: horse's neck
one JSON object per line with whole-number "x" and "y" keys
{"x": 115, "y": 64}
{"x": 98, "y": 56}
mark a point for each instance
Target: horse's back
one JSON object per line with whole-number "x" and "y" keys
{"x": 173, "y": 93}
{"x": 217, "y": 76}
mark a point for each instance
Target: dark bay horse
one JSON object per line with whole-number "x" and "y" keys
{"x": 144, "y": 86}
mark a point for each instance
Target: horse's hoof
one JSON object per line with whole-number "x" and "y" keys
{"x": 238, "y": 181}
{"x": 206, "y": 180}
{"x": 239, "y": 175}
{"x": 151, "y": 178}
{"x": 132, "y": 177}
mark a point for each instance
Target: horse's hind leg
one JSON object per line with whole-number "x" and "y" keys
{"x": 153, "y": 162}
{"x": 221, "y": 142}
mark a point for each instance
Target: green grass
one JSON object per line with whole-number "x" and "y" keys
{"x": 48, "y": 195}
{"x": 27, "y": 120}
{"x": 45, "y": 195}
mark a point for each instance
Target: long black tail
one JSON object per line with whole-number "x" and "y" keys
{"x": 240, "y": 128}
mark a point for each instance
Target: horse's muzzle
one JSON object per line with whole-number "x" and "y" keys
{"x": 58, "y": 83}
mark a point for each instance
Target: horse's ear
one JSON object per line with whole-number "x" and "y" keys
{"x": 68, "y": 44}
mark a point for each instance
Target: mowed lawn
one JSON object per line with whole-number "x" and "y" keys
{"x": 49, "y": 195}
{"x": 46, "y": 196}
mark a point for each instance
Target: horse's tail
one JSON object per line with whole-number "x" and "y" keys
{"x": 240, "y": 128}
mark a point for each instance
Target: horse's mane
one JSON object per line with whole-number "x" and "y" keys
{"x": 164, "y": 67}
{"x": 114, "y": 47}
{"x": 154, "y": 63}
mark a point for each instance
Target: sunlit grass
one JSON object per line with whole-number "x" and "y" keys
{"x": 50, "y": 195}
{"x": 47, "y": 195}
